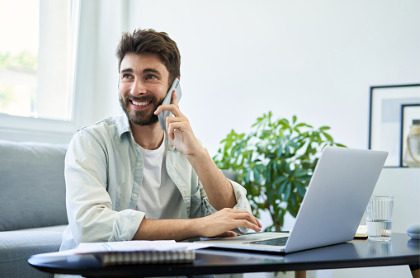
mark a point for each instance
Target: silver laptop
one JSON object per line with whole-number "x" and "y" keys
{"x": 332, "y": 208}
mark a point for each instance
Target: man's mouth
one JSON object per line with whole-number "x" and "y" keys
{"x": 140, "y": 104}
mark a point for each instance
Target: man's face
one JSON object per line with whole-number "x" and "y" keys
{"x": 142, "y": 87}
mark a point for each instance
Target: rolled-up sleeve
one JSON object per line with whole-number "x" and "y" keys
{"x": 241, "y": 203}
{"x": 240, "y": 195}
{"x": 89, "y": 206}
{"x": 202, "y": 207}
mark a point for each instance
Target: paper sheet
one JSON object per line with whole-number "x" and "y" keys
{"x": 124, "y": 246}
{"x": 137, "y": 245}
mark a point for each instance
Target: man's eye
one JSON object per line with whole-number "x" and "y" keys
{"x": 150, "y": 77}
{"x": 126, "y": 76}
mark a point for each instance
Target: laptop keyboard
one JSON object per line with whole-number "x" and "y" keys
{"x": 279, "y": 241}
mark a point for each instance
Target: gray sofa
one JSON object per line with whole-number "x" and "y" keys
{"x": 32, "y": 204}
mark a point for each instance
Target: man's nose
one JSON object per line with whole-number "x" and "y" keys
{"x": 138, "y": 88}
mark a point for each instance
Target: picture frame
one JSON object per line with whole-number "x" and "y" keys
{"x": 410, "y": 114}
{"x": 385, "y": 103}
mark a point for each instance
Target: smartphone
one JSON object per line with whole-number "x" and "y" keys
{"x": 177, "y": 88}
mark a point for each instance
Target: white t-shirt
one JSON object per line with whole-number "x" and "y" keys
{"x": 159, "y": 197}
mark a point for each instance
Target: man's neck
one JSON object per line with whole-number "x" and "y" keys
{"x": 149, "y": 137}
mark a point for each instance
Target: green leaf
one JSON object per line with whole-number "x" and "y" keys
{"x": 328, "y": 137}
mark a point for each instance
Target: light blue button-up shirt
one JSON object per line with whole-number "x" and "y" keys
{"x": 104, "y": 173}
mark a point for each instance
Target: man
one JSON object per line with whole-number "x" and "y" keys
{"x": 126, "y": 178}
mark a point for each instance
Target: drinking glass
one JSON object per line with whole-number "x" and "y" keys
{"x": 379, "y": 218}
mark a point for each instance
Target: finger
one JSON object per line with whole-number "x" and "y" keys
{"x": 176, "y": 120}
{"x": 256, "y": 221}
{"x": 174, "y": 128}
{"x": 173, "y": 108}
{"x": 174, "y": 99}
{"x": 247, "y": 224}
{"x": 170, "y": 121}
{"x": 252, "y": 217}
{"x": 247, "y": 216}
{"x": 178, "y": 126}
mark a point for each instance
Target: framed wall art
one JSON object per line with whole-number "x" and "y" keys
{"x": 385, "y": 118}
{"x": 410, "y": 116}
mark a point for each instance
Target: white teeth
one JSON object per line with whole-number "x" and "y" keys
{"x": 142, "y": 103}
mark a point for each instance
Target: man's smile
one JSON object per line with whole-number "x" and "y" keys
{"x": 140, "y": 104}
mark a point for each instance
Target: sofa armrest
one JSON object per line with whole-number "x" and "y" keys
{"x": 32, "y": 185}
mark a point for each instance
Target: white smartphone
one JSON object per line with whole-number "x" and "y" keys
{"x": 177, "y": 88}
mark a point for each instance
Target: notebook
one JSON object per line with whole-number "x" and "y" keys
{"x": 132, "y": 252}
{"x": 331, "y": 210}
{"x": 145, "y": 257}
{"x": 140, "y": 251}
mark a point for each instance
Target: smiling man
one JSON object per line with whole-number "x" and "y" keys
{"x": 127, "y": 178}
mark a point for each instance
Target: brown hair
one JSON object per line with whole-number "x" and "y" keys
{"x": 148, "y": 41}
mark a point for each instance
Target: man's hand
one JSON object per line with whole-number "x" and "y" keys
{"x": 179, "y": 129}
{"x": 222, "y": 222}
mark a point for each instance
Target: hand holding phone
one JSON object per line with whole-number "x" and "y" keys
{"x": 181, "y": 136}
{"x": 177, "y": 88}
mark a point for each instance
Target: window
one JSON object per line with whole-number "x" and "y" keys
{"x": 35, "y": 55}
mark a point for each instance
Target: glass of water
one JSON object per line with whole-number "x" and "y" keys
{"x": 379, "y": 218}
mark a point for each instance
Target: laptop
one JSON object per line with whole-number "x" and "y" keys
{"x": 330, "y": 213}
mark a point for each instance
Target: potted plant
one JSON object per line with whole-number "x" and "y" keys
{"x": 274, "y": 162}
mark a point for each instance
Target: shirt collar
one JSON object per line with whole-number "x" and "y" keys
{"x": 123, "y": 125}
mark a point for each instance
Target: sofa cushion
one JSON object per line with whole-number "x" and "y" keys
{"x": 17, "y": 246}
{"x": 32, "y": 185}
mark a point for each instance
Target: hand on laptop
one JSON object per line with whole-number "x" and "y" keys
{"x": 222, "y": 223}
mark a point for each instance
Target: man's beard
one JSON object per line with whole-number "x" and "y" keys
{"x": 140, "y": 117}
